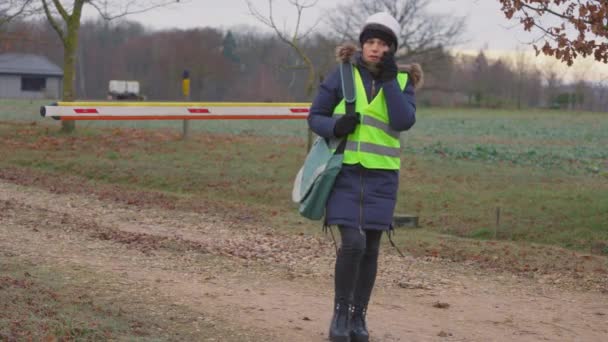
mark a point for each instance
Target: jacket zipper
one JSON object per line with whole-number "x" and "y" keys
{"x": 361, "y": 203}
{"x": 373, "y": 91}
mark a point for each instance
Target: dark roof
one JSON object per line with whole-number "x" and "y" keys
{"x": 28, "y": 64}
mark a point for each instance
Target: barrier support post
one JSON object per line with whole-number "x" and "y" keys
{"x": 186, "y": 93}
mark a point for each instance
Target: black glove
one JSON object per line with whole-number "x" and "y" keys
{"x": 388, "y": 67}
{"x": 346, "y": 125}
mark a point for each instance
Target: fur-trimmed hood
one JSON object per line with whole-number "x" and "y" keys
{"x": 346, "y": 53}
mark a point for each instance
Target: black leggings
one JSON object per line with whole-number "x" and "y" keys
{"x": 356, "y": 265}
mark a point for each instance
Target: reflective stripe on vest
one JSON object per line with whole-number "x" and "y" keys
{"x": 374, "y": 144}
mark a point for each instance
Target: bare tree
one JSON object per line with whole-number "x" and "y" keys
{"x": 65, "y": 20}
{"x": 521, "y": 68}
{"x": 293, "y": 37}
{"x": 602, "y": 90}
{"x": 11, "y": 9}
{"x": 421, "y": 32}
{"x": 581, "y": 27}
{"x": 478, "y": 87}
{"x": 581, "y": 84}
{"x": 552, "y": 78}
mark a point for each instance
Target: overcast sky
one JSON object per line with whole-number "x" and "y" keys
{"x": 487, "y": 28}
{"x": 486, "y": 25}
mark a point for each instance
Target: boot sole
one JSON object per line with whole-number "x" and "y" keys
{"x": 340, "y": 339}
{"x": 354, "y": 338}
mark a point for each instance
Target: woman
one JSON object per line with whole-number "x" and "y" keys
{"x": 363, "y": 199}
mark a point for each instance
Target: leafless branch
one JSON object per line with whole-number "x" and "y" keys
{"x": 54, "y": 24}
{"x": 267, "y": 20}
{"x": 110, "y": 10}
{"x": 62, "y": 12}
{"x": 420, "y": 31}
{"x": 284, "y": 34}
{"x": 310, "y": 29}
{"x": 292, "y": 39}
{"x": 11, "y": 9}
{"x": 300, "y": 7}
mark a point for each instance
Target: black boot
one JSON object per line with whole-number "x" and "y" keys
{"x": 359, "y": 331}
{"x": 339, "y": 330}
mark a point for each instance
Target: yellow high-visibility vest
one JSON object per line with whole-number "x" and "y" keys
{"x": 373, "y": 144}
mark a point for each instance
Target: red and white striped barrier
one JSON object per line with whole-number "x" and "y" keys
{"x": 175, "y": 111}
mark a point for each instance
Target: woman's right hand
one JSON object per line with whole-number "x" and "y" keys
{"x": 346, "y": 125}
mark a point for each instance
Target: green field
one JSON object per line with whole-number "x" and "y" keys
{"x": 547, "y": 171}
{"x": 569, "y": 141}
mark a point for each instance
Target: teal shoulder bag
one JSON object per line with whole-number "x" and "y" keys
{"x": 316, "y": 177}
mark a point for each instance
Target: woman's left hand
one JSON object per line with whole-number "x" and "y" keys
{"x": 388, "y": 67}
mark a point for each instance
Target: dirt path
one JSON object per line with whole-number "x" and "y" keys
{"x": 265, "y": 285}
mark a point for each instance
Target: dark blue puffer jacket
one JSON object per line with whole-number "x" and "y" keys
{"x": 363, "y": 198}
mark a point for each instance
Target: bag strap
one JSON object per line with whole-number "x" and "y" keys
{"x": 392, "y": 232}
{"x": 348, "y": 90}
{"x": 348, "y": 83}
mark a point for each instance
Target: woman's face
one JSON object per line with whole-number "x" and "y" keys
{"x": 373, "y": 49}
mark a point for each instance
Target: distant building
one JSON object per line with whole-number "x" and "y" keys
{"x": 27, "y": 76}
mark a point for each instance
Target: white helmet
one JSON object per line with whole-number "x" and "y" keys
{"x": 382, "y": 21}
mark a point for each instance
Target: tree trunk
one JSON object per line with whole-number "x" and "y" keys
{"x": 69, "y": 69}
{"x": 68, "y": 126}
{"x": 310, "y": 87}
{"x": 312, "y": 77}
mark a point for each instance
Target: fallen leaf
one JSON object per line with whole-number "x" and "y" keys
{"x": 441, "y": 305}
